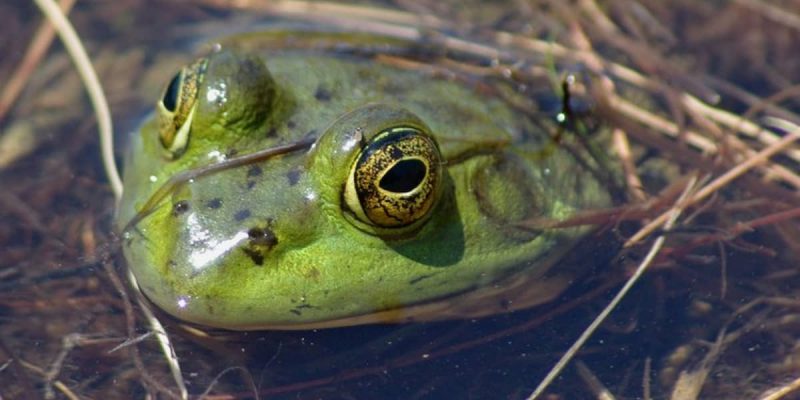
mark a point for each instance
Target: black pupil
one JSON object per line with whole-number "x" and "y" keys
{"x": 170, "y": 99}
{"x": 404, "y": 176}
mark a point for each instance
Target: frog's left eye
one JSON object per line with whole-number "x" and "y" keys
{"x": 396, "y": 179}
{"x": 177, "y": 105}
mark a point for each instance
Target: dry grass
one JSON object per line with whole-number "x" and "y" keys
{"x": 688, "y": 89}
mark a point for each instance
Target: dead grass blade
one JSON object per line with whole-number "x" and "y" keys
{"x": 673, "y": 215}
{"x": 73, "y": 45}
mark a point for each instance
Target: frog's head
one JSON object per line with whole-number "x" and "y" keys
{"x": 256, "y": 228}
{"x": 319, "y": 191}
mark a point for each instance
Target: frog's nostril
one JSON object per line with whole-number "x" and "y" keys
{"x": 261, "y": 241}
{"x": 262, "y": 237}
{"x": 180, "y": 208}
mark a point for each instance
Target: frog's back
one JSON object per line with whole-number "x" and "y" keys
{"x": 316, "y": 88}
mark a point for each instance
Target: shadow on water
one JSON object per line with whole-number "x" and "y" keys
{"x": 61, "y": 320}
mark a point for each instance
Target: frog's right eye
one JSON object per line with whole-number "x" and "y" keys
{"x": 396, "y": 179}
{"x": 177, "y": 105}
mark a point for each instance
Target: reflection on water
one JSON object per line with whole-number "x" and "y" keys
{"x": 61, "y": 318}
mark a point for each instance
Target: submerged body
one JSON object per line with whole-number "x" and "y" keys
{"x": 309, "y": 187}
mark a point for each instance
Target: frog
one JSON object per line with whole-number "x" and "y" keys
{"x": 305, "y": 180}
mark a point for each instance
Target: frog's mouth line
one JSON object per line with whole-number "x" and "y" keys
{"x": 177, "y": 180}
{"x": 516, "y": 291}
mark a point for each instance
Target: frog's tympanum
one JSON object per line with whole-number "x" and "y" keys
{"x": 310, "y": 185}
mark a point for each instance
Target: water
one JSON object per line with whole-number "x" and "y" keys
{"x": 61, "y": 316}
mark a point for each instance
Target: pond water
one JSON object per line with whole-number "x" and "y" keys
{"x": 65, "y": 327}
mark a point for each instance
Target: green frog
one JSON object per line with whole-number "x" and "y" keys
{"x": 313, "y": 180}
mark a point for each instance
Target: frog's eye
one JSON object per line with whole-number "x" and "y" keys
{"x": 177, "y": 105}
{"x": 396, "y": 179}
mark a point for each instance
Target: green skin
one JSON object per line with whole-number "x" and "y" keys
{"x": 273, "y": 245}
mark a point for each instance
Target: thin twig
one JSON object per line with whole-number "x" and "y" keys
{"x": 162, "y": 338}
{"x": 632, "y": 181}
{"x": 736, "y": 122}
{"x": 599, "y": 390}
{"x": 66, "y": 391}
{"x": 775, "y": 13}
{"x": 718, "y": 183}
{"x": 779, "y": 393}
{"x": 84, "y": 67}
{"x": 673, "y": 214}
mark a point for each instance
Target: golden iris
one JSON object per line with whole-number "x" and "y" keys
{"x": 177, "y": 105}
{"x": 396, "y": 179}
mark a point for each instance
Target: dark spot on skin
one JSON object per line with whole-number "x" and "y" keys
{"x": 254, "y": 170}
{"x": 293, "y": 176}
{"x": 302, "y": 306}
{"x": 256, "y": 256}
{"x": 251, "y": 184}
{"x": 291, "y": 125}
{"x": 214, "y": 203}
{"x": 312, "y": 273}
{"x": 262, "y": 237}
{"x": 242, "y": 215}
{"x": 180, "y": 208}
{"x": 419, "y": 278}
{"x": 272, "y": 132}
{"x": 262, "y": 240}
{"x": 322, "y": 94}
